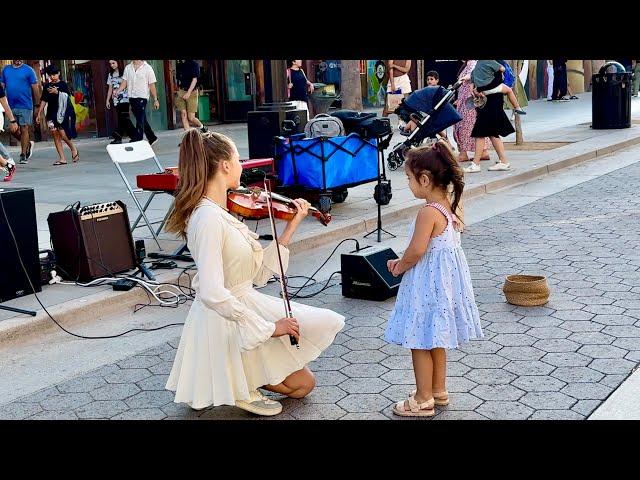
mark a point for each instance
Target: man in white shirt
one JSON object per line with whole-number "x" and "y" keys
{"x": 140, "y": 80}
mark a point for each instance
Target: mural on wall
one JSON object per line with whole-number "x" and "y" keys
{"x": 376, "y": 83}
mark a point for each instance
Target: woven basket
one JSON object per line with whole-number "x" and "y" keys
{"x": 526, "y": 290}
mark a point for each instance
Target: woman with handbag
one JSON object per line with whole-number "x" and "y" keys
{"x": 299, "y": 86}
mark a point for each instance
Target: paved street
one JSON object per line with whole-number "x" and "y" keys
{"x": 560, "y": 361}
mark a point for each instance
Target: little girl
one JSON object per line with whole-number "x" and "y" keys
{"x": 435, "y": 308}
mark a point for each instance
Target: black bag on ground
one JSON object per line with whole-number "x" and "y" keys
{"x": 365, "y": 124}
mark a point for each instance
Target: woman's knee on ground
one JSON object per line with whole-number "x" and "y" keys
{"x": 304, "y": 384}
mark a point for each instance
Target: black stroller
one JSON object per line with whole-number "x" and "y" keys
{"x": 431, "y": 109}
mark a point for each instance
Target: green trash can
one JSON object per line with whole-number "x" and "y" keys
{"x": 204, "y": 113}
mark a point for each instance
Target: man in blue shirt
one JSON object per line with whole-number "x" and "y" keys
{"x": 21, "y": 86}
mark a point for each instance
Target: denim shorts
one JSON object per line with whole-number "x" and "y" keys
{"x": 23, "y": 116}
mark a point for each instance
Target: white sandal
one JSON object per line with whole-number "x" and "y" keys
{"x": 416, "y": 409}
{"x": 439, "y": 398}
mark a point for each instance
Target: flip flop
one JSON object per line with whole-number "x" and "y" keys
{"x": 59, "y": 163}
{"x": 76, "y": 157}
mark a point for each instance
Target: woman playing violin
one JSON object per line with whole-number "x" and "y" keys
{"x": 234, "y": 340}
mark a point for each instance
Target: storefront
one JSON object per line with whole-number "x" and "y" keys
{"x": 228, "y": 90}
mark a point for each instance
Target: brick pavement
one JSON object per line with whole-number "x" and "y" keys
{"x": 559, "y": 361}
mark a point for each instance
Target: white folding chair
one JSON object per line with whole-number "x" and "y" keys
{"x": 134, "y": 152}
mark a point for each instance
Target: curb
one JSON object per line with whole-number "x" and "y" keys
{"x": 107, "y": 302}
{"x": 76, "y": 311}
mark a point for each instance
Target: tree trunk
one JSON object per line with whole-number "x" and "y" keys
{"x": 350, "y": 87}
{"x": 518, "y": 124}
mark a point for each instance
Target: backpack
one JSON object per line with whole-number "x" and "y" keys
{"x": 324, "y": 125}
{"x": 509, "y": 77}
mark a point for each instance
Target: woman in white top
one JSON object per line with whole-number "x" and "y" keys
{"x": 234, "y": 340}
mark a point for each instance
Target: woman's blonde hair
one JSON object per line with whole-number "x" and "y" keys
{"x": 199, "y": 159}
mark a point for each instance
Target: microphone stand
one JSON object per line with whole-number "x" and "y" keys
{"x": 382, "y": 145}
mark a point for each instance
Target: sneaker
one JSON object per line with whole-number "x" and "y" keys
{"x": 260, "y": 405}
{"x": 204, "y": 129}
{"x": 32, "y": 144}
{"x": 23, "y": 159}
{"x": 10, "y": 169}
{"x": 473, "y": 168}
{"x": 499, "y": 166}
{"x": 154, "y": 141}
{"x": 116, "y": 142}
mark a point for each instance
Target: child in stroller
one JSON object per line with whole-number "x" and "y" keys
{"x": 423, "y": 115}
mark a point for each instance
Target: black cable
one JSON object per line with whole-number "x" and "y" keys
{"x": 325, "y": 287}
{"x": 295, "y": 295}
{"x": 24, "y": 269}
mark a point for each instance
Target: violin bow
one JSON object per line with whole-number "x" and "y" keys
{"x": 285, "y": 295}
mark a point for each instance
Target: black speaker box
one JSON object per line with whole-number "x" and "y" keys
{"x": 280, "y": 120}
{"x": 93, "y": 242}
{"x": 19, "y": 206}
{"x": 365, "y": 274}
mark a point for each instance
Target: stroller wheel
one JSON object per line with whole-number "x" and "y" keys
{"x": 394, "y": 160}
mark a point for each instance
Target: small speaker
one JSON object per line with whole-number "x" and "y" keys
{"x": 365, "y": 274}
{"x": 93, "y": 241}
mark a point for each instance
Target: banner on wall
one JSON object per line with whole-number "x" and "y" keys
{"x": 376, "y": 83}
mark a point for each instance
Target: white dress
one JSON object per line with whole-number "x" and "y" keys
{"x": 226, "y": 349}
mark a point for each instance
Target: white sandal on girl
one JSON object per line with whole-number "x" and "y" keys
{"x": 415, "y": 409}
{"x": 439, "y": 398}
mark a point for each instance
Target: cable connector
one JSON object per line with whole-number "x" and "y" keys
{"x": 55, "y": 278}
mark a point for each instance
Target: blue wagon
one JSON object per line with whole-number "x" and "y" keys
{"x": 323, "y": 168}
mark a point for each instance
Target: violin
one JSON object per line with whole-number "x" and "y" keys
{"x": 252, "y": 204}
